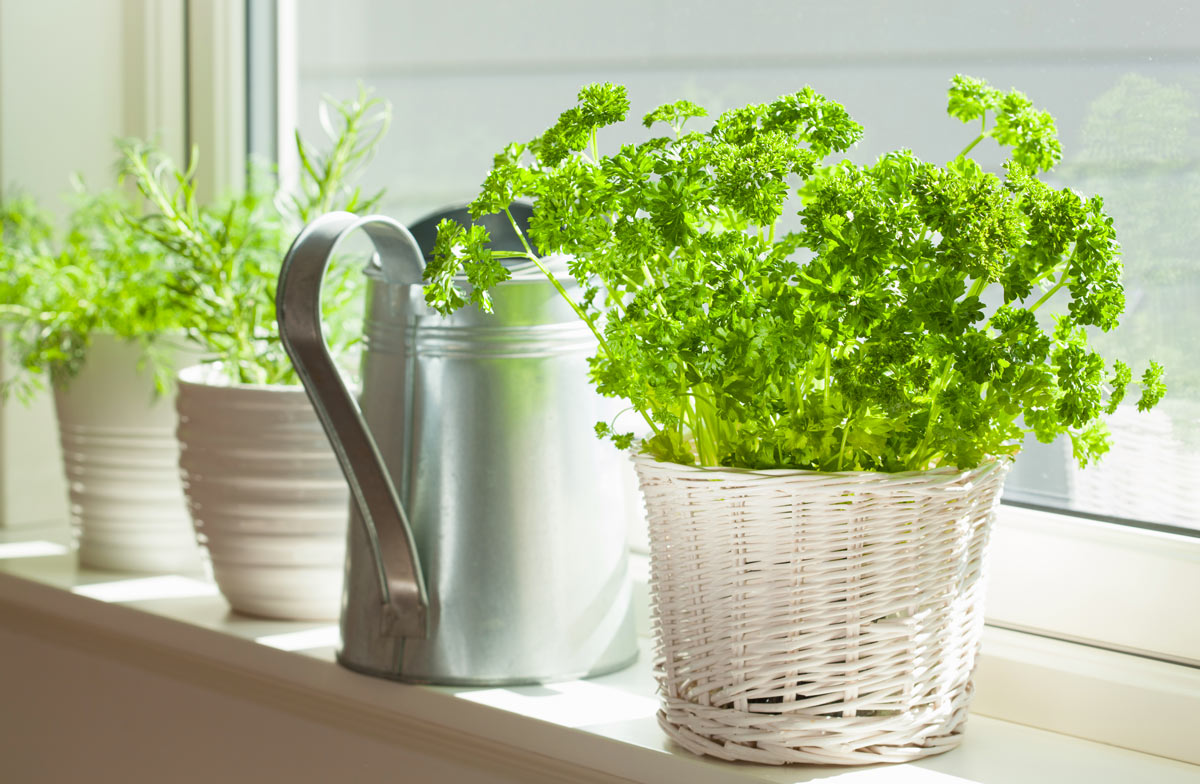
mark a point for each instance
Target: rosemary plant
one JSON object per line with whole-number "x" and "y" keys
{"x": 105, "y": 278}
{"x": 225, "y": 256}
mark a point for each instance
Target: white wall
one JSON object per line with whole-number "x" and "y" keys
{"x": 62, "y": 91}
{"x": 74, "y": 75}
{"x": 60, "y": 102}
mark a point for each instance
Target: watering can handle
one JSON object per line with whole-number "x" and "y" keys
{"x": 298, "y": 309}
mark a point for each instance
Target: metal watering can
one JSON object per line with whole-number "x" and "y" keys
{"x": 487, "y": 536}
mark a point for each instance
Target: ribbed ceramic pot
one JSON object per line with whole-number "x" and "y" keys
{"x": 266, "y": 495}
{"x": 120, "y": 458}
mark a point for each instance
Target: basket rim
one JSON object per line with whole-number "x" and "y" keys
{"x": 947, "y": 475}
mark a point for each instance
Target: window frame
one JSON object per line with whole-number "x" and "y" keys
{"x": 1105, "y": 584}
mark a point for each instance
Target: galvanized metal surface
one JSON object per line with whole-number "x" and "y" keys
{"x": 484, "y": 423}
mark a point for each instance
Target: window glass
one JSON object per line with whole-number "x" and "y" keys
{"x": 1122, "y": 80}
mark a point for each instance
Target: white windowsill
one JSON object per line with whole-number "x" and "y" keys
{"x": 597, "y": 730}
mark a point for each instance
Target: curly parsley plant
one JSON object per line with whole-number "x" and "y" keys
{"x": 859, "y": 341}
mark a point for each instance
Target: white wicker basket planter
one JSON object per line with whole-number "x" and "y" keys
{"x": 816, "y": 617}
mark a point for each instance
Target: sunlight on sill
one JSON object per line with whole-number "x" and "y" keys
{"x": 309, "y": 639}
{"x": 568, "y": 704}
{"x": 906, "y": 774}
{"x": 167, "y": 586}
{"x": 36, "y": 549}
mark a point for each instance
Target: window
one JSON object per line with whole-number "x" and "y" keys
{"x": 1116, "y": 545}
{"x": 1122, "y": 80}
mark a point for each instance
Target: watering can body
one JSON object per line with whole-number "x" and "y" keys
{"x": 480, "y": 459}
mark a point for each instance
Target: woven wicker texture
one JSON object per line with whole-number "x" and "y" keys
{"x": 816, "y": 617}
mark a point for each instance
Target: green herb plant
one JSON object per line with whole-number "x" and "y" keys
{"x": 104, "y": 278}
{"x": 858, "y": 341}
{"x": 227, "y": 255}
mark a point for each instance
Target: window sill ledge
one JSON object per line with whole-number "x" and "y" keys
{"x": 598, "y": 730}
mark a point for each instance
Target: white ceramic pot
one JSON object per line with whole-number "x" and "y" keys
{"x": 120, "y": 458}
{"x": 266, "y": 495}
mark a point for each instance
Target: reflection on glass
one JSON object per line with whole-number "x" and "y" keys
{"x": 1139, "y": 145}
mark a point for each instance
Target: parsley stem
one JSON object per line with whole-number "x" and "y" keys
{"x": 558, "y": 286}
{"x": 650, "y": 281}
{"x": 842, "y": 446}
{"x": 971, "y": 146}
{"x": 580, "y": 312}
{"x": 692, "y": 419}
{"x": 1042, "y": 301}
{"x": 828, "y": 380}
{"x": 705, "y": 425}
{"x": 939, "y": 385}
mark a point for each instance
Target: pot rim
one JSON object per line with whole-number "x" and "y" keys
{"x": 214, "y": 375}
